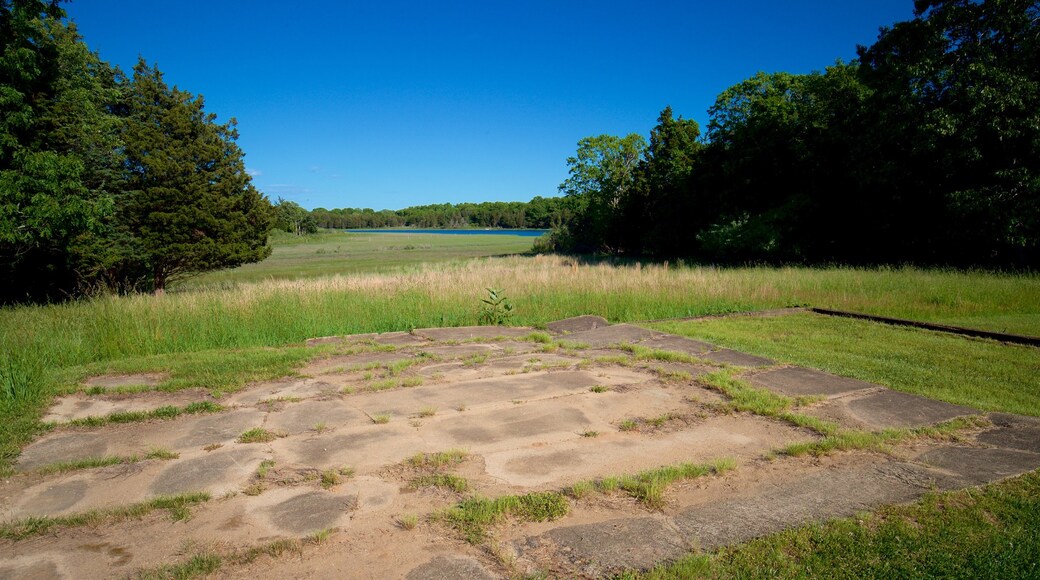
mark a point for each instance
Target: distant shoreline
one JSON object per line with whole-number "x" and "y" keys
{"x": 451, "y": 231}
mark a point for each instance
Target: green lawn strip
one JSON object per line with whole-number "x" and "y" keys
{"x": 983, "y": 374}
{"x": 747, "y": 398}
{"x": 162, "y": 413}
{"x": 220, "y": 371}
{"x": 177, "y": 506}
{"x": 850, "y": 439}
{"x": 472, "y": 517}
{"x": 92, "y": 462}
{"x": 987, "y": 532}
{"x": 648, "y": 486}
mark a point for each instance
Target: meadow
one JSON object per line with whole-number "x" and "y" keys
{"x": 217, "y": 331}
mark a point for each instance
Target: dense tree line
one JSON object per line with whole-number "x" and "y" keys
{"x": 925, "y": 149}
{"x": 107, "y": 180}
{"x": 540, "y": 212}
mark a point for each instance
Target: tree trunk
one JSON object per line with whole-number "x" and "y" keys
{"x": 159, "y": 282}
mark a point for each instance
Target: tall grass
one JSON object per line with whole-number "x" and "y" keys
{"x": 275, "y": 313}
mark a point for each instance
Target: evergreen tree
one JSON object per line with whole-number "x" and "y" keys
{"x": 190, "y": 206}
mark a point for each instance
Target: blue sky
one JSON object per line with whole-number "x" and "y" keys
{"x": 391, "y": 104}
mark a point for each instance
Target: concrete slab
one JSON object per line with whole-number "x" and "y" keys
{"x": 310, "y": 512}
{"x": 609, "y": 548}
{"x": 821, "y": 496}
{"x": 610, "y": 335}
{"x": 888, "y": 408}
{"x": 31, "y": 570}
{"x": 977, "y": 466}
{"x": 298, "y": 388}
{"x": 673, "y": 368}
{"x": 486, "y": 391}
{"x": 368, "y": 447}
{"x": 561, "y": 456}
{"x": 58, "y": 497}
{"x": 450, "y": 568}
{"x": 1013, "y": 432}
{"x": 217, "y": 472}
{"x": 577, "y": 324}
{"x": 473, "y": 332}
{"x": 799, "y": 381}
{"x": 737, "y": 358}
{"x": 681, "y": 344}
{"x": 387, "y": 338}
{"x": 202, "y": 430}
{"x": 61, "y": 447}
{"x": 340, "y": 363}
{"x": 78, "y": 405}
{"x": 306, "y": 416}
{"x": 459, "y": 351}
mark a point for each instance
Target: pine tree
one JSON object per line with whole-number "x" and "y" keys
{"x": 189, "y": 204}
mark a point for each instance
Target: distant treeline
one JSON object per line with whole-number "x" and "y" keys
{"x": 925, "y": 149}
{"x": 540, "y": 213}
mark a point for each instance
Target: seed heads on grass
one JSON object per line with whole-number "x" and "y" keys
{"x": 427, "y": 411}
{"x": 320, "y": 427}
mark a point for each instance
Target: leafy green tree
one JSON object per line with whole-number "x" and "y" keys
{"x": 779, "y": 178}
{"x": 957, "y": 107}
{"x": 59, "y": 154}
{"x": 602, "y": 173}
{"x": 659, "y": 208}
{"x": 190, "y": 205}
{"x": 292, "y": 218}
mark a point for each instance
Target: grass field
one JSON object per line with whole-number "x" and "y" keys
{"x": 330, "y": 253}
{"x": 217, "y": 330}
{"x": 982, "y": 374}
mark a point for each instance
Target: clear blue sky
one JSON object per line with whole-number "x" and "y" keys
{"x": 390, "y": 104}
